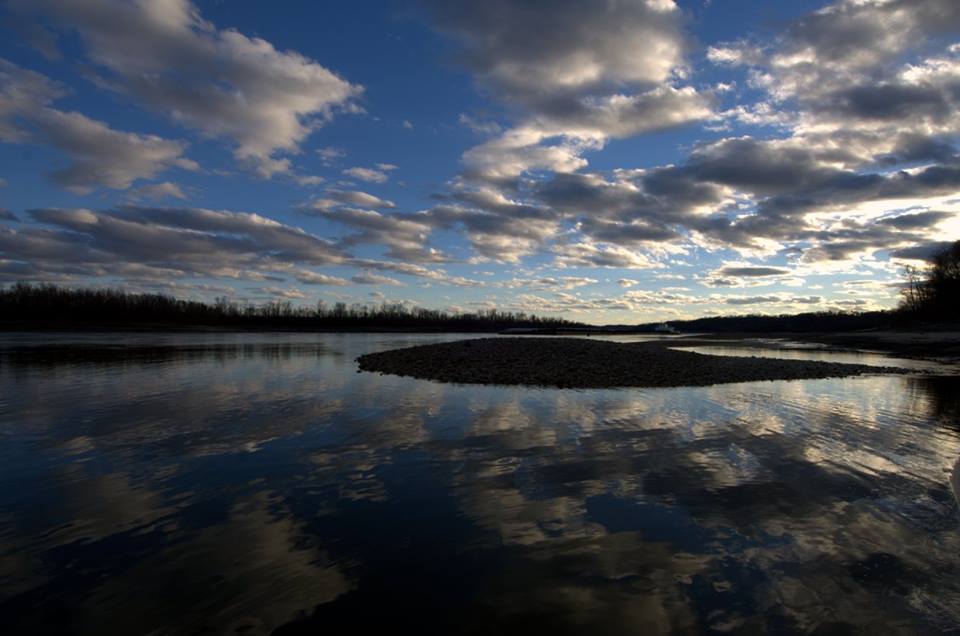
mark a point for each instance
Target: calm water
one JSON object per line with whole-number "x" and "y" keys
{"x": 170, "y": 484}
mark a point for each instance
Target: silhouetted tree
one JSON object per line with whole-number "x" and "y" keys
{"x": 933, "y": 292}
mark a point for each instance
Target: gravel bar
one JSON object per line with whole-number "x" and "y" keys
{"x": 582, "y": 363}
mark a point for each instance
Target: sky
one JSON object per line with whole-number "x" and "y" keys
{"x": 610, "y": 161}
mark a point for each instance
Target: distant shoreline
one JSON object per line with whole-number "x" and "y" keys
{"x": 937, "y": 343}
{"x": 9, "y": 327}
{"x": 929, "y": 344}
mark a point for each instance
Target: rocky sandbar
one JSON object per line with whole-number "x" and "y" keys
{"x": 583, "y": 363}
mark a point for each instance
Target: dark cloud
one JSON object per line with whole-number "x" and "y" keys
{"x": 893, "y": 101}
{"x": 914, "y": 147}
{"x": 761, "y": 167}
{"x": 868, "y": 33}
{"x": 751, "y": 300}
{"x": 636, "y": 234}
{"x": 916, "y": 221}
{"x": 773, "y": 299}
{"x": 925, "y": 251}
{"x": 536, "y": 51}
{"x": 751, "y": 271}
{"x": 156, "y": 243}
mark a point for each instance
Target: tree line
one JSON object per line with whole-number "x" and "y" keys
{"x": 809, "y": 322}
{"x": 24, "y": 304}
{"x": 931, "y": 294}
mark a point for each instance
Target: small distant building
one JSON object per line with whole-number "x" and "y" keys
{"x": 664, "y": 328}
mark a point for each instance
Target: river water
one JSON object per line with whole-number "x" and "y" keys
{"x": 257, "y": 483}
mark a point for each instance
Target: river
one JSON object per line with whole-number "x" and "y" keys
{"x": 257, "y": 483}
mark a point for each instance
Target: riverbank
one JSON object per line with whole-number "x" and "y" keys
{"x": 942, "y": 345}
{"x": 584, "y": 363}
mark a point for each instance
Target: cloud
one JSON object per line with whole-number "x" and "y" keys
{"x": 155, "y": 244}
{"x": 619, "y": 115}
{"x": 308, "y": 180}
{"x": 329, "y": 154}
{"x": 370, "y": 278}
{"x": 405, "y": 236}
{"x": 915, "y": 221}
{"x": 533, "y": 52}
{"x": 157, "y": 191}
{"x": 335, "y": 197}
{"x": 220, "y": 82}
{"x": 7, "y": 215}
{"x": 746, "y": 193}
{"x": 575, "y": 75}
{"x": 308, "y": 277}
{"x": 924, "y": 252}
{"x": 99, "y": 155}
{"x": 549, "y": 282}
{"x": 773, "y": 299}
{"x": 368, "y": 174}
{"x": 521, "y": 150}
{"x": 498, "y": 229}
{"x": 588, "y": 254}
{"x": 279, "y": 292}
{"x": 752, "y": 270}
{"x": 413, "y": 269}
{"x": 478, "y": 126}
{"x": 851, "y": 33}
{"x": 158, "y": 247}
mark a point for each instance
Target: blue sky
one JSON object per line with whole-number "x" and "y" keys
{"x": 611, "y": 161}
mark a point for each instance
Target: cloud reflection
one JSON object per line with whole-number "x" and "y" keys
{"x": 790, "y": 506}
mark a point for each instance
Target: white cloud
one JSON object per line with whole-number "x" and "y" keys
{"x": 329, "y": 154}
{"x": 220, "y": 82}
{"x": 367, "y": 174}
{"x": 336, "y": 197}
{"x": 99, "y": 155}
{"x": 478, "y": 126}
{"x": 308, "y": 277}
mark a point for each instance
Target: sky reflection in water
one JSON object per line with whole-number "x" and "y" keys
{"x": 251, "y": 483}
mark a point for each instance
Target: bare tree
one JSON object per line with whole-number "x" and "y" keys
{"x": 933, "y": 292}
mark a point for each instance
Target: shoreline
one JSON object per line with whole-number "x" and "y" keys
{"x": 939, "y": 346}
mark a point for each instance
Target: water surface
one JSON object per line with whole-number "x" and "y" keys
{"x": 256, "y": 483}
